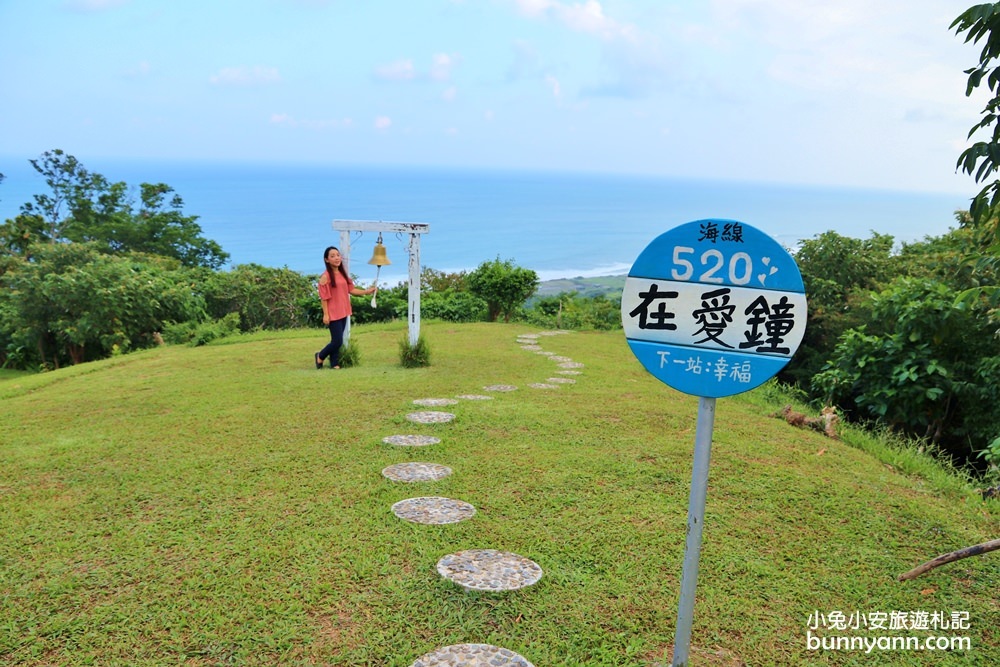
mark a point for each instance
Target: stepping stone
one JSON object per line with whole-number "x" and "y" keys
{"x": 570, "y": 364}
{"x": 532, "y": 348}
{"x": 553, "y": 333}
{"x": 434, "y": 402}
{"x": 569, "y": 372}
{"x": 542, "y": 385}
{"x": 489, "y": 570}
{"x": 545, "y": 352}
{"x": 559, "y": 358}
{"x": 430, "y": 417}
{"x": 471, "y": 655}
{"x": 474, "y": 397}
{"x": 411, "y": 440}
{"x": 500, "y": 387}
{"x": 416, "y": 472}
{"x": 528, "y": 336}
{"x": 433, "y": 510}
{"x": 561, "y": 380}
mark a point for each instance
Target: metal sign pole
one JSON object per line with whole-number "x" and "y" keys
{"x": 696, "y": 517}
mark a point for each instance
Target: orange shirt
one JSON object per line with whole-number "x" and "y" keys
{"x": 337, "y": 297}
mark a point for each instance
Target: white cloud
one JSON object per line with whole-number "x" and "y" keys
{"x": 139, "y": 70}
{"x": 449, "y": 94}
{"x": 585, "y": 17}
{"x": 245, "y": 76}
{"x": 93, "y": 5}
{"x": 382, "y": 122}
{"x": 404, "y": 69}
{"x": 553, "y": 84}
{"x": 441, "y": 67}
{"x": 399, "y": 70}
{"x": 286, "y": 120}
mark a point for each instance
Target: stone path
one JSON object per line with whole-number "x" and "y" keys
{"x": 488, "y": 570}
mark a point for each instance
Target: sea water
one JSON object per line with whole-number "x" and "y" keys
{"x": 561, "y": 225}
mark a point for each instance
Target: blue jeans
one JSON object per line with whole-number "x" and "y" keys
{"x": 332, "y": 350}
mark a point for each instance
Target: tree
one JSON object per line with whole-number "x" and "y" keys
{"x": 838, "y": 272}
{"x": 86, "y": 207}
{"x": 982, "y": 159}
{"x": 73, "y": 303}
{"x": 923, "y": 365}
{"x": 503, "y": 286}
{"x": 264, "y": 297}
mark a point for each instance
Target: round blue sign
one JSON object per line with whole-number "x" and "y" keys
{"x": 714, "y": 308}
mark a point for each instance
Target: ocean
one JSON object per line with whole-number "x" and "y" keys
{"x": 562, "y": 225}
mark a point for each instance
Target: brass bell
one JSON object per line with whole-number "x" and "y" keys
{"x": 379, "y": 257}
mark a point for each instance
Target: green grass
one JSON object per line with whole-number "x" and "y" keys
{"x": 224, "y": 505}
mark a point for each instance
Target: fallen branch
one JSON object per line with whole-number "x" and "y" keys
{"x": 975, "y": 550}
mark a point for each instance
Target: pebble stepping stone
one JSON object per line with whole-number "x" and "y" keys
{"x": 434, "y": 402}
{"x": 433, "y": 510}
{"x": 532, "y": 348}
{"x": 543, "y": 385}
{"x": 528, "y": 336}
{"x": 474, "y": 397}
{"x": 570, "y": 364}
{"x": 561, "y": 380}
{"x": 553, "y": 333}
{"x": 569, "y": 372}
{"x": 489, "y": 570}
{"x": 416, "y": 472}
{"x": 430, "y": 417}
{"x": 500, "y": 387}
{"x": 411, "y": 440}
{"x": 544, "y": 352}
{"x": 471, "y": 655}
{"x": 557, "y": 357}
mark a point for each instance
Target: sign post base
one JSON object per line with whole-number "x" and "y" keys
{"x": 696, "y": 517}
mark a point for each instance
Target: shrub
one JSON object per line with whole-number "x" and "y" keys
{"x": 201, "y": 333}
{"x": 350, "y": 354}
{"x": 414, "y": 356}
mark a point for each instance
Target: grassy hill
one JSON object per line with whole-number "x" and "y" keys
{"x": 225, "y": 505}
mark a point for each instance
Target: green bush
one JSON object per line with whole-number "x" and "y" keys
{"x": 264, "y": 297}
{"x": 201, "y": 333}
{"x": 350, "y": 354}
{"x": 414, "y": 356}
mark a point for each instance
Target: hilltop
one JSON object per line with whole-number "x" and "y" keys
{"x": 226, "y": 505}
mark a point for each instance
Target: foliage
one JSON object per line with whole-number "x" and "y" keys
{"x": 264, "y": 297}
{"x": 416, "y": 355}
{"x": 571, "y": 310}
{"x": 452, "y": 306}
{"x": 391, "y": 303}
{"x": 982, "y": 159}
{"x": 838, "y": 273}
{"x": 432, "y": 280}
{"x": 922, "y": 365}
{"x": 194, "y": 333}
{"x": 83, "y": 206}
{"x": 73, "y": 303}
{"x": 990, "y": 455}
{"x": 350, "y": 353}
{"x": 503, "y": 286}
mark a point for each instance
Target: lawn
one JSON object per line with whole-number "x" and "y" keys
{"x": 224, "y": 505}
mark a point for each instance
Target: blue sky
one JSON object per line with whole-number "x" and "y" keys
{"x": 853, "y": 92}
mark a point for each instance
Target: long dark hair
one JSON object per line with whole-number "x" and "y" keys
{"x": 341, "y": 269}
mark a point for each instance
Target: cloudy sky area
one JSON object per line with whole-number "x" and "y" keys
{"x": 845, "y": 92}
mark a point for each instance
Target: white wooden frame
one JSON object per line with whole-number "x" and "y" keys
{"x": 414, "y": 229}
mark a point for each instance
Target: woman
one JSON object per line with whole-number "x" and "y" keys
{"x": 335, "y": 288}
